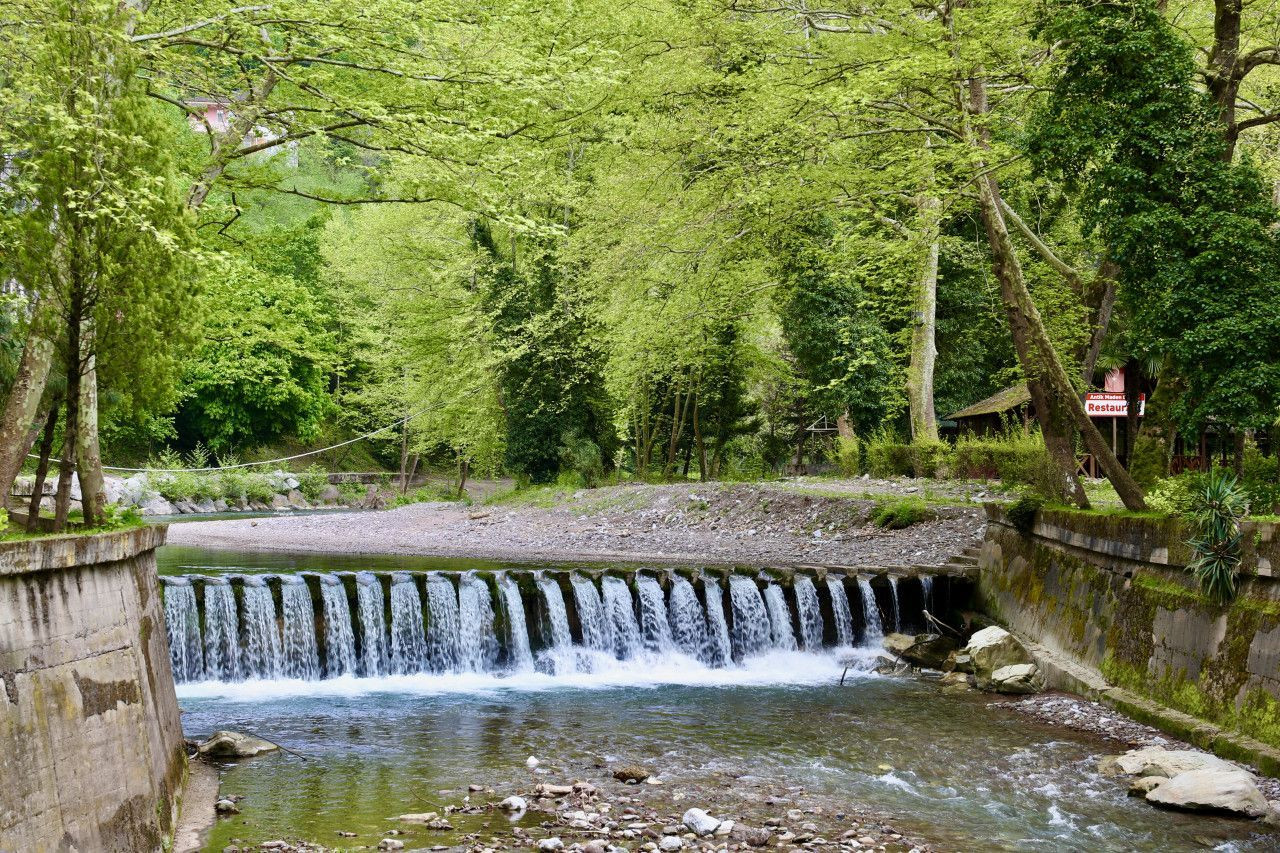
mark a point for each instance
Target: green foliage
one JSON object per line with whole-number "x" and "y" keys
{"x": 580, "y": 457}
{"x": 849, "y": 455}
{"x": 1217, "y": 509}
{"x": 887, "y": 457}
{"x": 1022, "y": 513}
{"x": 430, "y": 493}
{"x": 1177, "y": 495}
{"x": 1015, "y": 457}
{"x": 900, "y": 513}
{"x": 930, "y": 458}
{"x": 311, "y": 483}
{"x": 116, "y": 517}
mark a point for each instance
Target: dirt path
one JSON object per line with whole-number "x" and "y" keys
{"x": 707, "y": 524}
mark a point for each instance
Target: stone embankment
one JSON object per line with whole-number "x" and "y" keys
{"x": 91, "y": 749}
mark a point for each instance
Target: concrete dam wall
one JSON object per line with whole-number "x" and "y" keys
{"x": 1109, "y": 599}
{"x": 91, "y": 749}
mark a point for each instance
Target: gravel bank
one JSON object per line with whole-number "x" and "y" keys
{"x": 706, "y": 524}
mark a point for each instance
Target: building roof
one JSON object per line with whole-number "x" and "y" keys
{"x": 1001, "y": 401}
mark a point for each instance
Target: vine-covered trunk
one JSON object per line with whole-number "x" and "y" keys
{"x": 42, "y": 470}
{"x": 924, "y": 349}
{"x": 22, "y": 405}
{"x": 93, "y": 493}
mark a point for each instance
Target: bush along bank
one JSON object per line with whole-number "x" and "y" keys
{"x": 162, "y": 493}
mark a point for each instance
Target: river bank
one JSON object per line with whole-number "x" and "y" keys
{"x": 700, "y": 523}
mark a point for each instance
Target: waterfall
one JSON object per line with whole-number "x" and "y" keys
{"x": 597, "y": 632}
{"x": 519, "y": 655}
{"x": 719, "y": 647}
{"x": 557, "y": 633}
{"x": 779, "y": 618}
{"x": 301, "y": 658}
{"x": 477, "y": 642}
{"x": 622, "y": 617}
{"x": 371, "y": 609}
{"x": 897, "y": 611}
{"x": 840, "y": 608}
{"x": 221, "y": 631}
{"x": 810, "y": 612}
{"x": 873, "y": 631}
{"x": 261, "y": 646}
{"x": 442, "y": 624}
{"x": 653, "y": 615}
{"x": 182, "y": 624}
{"x": 688, "y": 623}
{"x": 926, "y": 591}
{"x": 751, "y": 634}
{"x": 408, "y": 636}
{"x": 339, "y": 639}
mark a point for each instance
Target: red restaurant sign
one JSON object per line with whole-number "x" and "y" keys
{"x": 1104, "y": 405}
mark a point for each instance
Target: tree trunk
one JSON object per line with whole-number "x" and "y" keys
{"x": 404, "y": 457}
{"x": 93, "y": 494}
{"x": 464, "y": 470}
{"x": 924, "y": 349}
{"x": 42, "y": 470}
{"x": 1045, "y": 374}
{"x": 1133, "y": 415}
{"x": 22, "y": 405}
{"x": 1101, "y": 302}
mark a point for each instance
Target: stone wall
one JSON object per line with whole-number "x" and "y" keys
{"x": 91, "y": 750}
{"x": 1110, "y": 595}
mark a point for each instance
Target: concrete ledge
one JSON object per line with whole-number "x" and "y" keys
{"x": 54, "y": 553}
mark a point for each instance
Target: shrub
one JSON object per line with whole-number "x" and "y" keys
{"x": 1261, "y": 480}
{"x": 849, "y": 455}
{"x": 1176, "y": 495}
{"x": 1016, "y": 458}
{"x": 887, "y": 457}
{"x": 1216, "y": 512}
{"x": 898, "y": 513}
{"x": 312, "y": 482}
{"x": 930, "y": 458}
{"x": 258, "y": 487}
{"x": 581, "y": 456}
{"x": 352, "y": 493}
{"x": 430, "y": 493}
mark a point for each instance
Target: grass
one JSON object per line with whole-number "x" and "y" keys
{"x": 900, "y": 513}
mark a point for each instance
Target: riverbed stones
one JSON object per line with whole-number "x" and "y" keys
{"x": 671, "y": 843}
{"x": 234, "y": 745}
{"x": 1157, "y": 761}
{"x": 1232, "y": 791}
{"x": 752, "y": 836}
{"x": 514, "y": 804}
{"x": 549, "y": 845}
{"x": 419, "y": 817}
{"x": 391, "y": 844}
{"x": 226, "y": 806}
{"x": 699, "y": 822}
{"x": 927, "y": 650}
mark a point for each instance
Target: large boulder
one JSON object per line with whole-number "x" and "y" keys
{"x": 1234, "y": 791}
{"x": 330, "y": 495}
{"x": 234, "y": 745}
{"x": 927, "y": 650}
{"x": 1158, "y": 761}
{"x": 992, "y": 649}
{"x": 1017, "y": 678}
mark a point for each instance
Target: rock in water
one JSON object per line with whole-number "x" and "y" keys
{"x": 1017, "y": 678}
{"x": 1212, "y": 790}
{"x": 928, "y": 650}
{"x": 234, "y": 745}
{"x": 1157, "y": 761}
{"x": 699, "y": 822}
{"x": 390, "y": 844}
{"x": 992, "y": 649}
{"x": 531, "y": 763}
{"x": 547, "y": 845}
{"x": 631, "y": 773}
{"x": 513, "y": 804}
{"x": 226, "y": 807}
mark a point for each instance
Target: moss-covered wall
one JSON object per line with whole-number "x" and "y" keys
{"x": 91, "y": 751}
{"x": 1112, "y": 593}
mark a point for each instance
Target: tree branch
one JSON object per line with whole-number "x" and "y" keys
{"x": 199, "y": 25}
{"x": 1068, "y": 272}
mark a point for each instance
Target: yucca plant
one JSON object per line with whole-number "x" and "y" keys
{"x": 1216, "y": 511}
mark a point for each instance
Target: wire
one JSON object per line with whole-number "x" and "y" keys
{"x": 393, "y": 425}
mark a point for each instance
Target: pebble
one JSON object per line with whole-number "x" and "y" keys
{"x": 549, "y": 844}
{"x": 671, "y": 843}
{"x": 390, "y": 844}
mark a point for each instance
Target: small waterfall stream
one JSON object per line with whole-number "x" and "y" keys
{"x": 519, "y": 653}
{"x": 775, "y": 601}
{"x": 688, "y": 627}
{"x": 182, "y": 623}
{"x": 371, "y": 608}
{"x": 751, "y": 626}
{"x": 622, "y": 616}
{"x": 897, "y": 610}
{"x": 339, "y": 637}
{"x": 840, "y": 608}
{"x": 408, "y": 634}
{"x": 873, "y": 630}
{"x": 371, "y": 624}
{"x": 597, "y": 631}
{"x": 810, "y": 612}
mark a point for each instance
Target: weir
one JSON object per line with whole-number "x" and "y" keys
{"x": 313, "y": 625}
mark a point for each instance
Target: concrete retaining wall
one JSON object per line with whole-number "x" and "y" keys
{"x": 91, "y": 750}
{"x": 1110, "y": 595}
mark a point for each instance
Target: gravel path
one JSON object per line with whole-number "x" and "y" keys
{"x": 706, "y": 524}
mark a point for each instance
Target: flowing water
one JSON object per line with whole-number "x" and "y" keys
{"x": 775, "y": 601}
{"x": 375, "y": 657}
{"x": 693, "y": 686}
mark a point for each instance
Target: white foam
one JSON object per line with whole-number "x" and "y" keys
{"x": 776, "y": 668}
